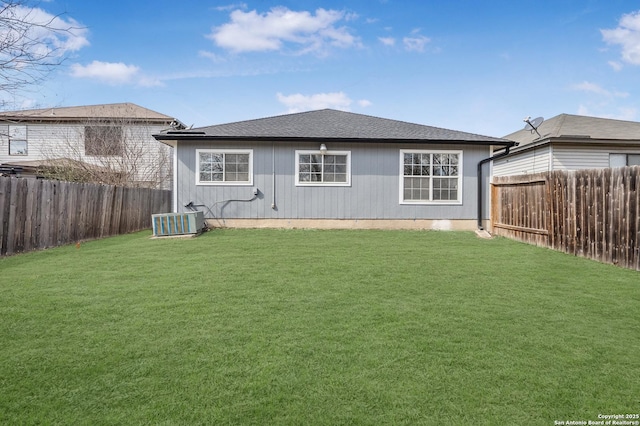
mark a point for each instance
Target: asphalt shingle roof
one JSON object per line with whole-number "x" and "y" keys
{"x": 103, "y": 111}
{"x": 580, "y": 127}
{"x": 333, "y": 124}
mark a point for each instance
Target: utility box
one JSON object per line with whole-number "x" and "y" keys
{"x": 169, "y": 224}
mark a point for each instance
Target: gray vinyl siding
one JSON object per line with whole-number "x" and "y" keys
{"x": 373, "y": 194}
{"x": 525, "y": 162}
{"x": 44, "y": 141}
{"x": 47, "y": 141}
{"x": 575, "y": 158}
{"x": 558, "y": 157}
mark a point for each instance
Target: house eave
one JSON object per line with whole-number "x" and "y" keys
{"x": 203, "y": 137}
{"x": 576, "y": 140}
{"x": 75, "y": 120}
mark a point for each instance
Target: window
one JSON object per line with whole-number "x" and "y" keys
{"x": 331, "y": 168}
{"x": 621, "y": 160}
{"x": 633, "y": 159}
{"x": 430, "y": 177}
{"x": 103, "y": 140}
{"x": 18, "y": 140}
{"x": 224, "y": 167}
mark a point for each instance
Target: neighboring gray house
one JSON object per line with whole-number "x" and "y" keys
{"x": 572, "y": 142}
{"x": 111, "y": 143}
{"x": 330, "y": 168}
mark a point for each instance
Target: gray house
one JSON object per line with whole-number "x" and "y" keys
{"x": 331, "y": 169}
{"x": 572, "y": 142}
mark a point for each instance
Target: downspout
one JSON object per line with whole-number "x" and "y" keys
{"x": 273, "y": 175}
{"x": 480, "y": 164}
{"x": 175, "y": 178}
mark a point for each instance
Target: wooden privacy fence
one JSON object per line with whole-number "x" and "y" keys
{"x": 591, "y": 213}
{"x": 37, "y": 214}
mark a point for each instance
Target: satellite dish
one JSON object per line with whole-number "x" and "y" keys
{"x": 533, "y": 125}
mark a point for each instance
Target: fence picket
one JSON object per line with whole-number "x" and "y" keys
{"x": 37, "y": 214}
{"x": 588, "y": 213}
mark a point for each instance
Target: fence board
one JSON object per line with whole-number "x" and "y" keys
{"x": 5, "y": 187}
{"x": 588, "y": 213}
{"x": 37, "y": 214}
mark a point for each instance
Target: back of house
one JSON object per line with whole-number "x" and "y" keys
{"x": 329, "y": 168}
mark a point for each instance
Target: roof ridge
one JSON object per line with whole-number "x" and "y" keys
{"x": 558, "y": 127}
{"x": 341, "y": 112}
{"x": 593, "y": 117}
{"x": 94, "y": 111}
{"x": 337, "y": 124}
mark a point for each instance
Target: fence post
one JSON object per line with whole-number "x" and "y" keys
{"x": 36, "y": 214}
{"x": 590, "y": 213}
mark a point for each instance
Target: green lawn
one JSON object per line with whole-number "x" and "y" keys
{"x": 315, "y": 327}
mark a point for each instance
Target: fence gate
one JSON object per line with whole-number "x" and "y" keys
{"x": 520, "y": 209}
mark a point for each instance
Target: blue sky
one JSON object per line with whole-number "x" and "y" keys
{"x": 470, "y": 65}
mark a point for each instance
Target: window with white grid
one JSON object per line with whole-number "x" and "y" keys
{"x": 315, "y": 168}
{"x": 224, "y": 167}
{"x": 430, "y": 177}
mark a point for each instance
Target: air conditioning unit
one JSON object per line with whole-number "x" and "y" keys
{"x": 168, "y": 224}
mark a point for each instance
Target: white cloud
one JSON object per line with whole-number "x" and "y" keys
{"x": 617, "y": 66}
{"x": 585, "y": 86}
{"x": 147, "y": 81}
{"x": 627, "y": 35}
{"x": 56, "y": 36}
{"x": 114, "y": 73}
{"x": 589, "y": 87}
{"x": 621, "y": 113}
{"x": 583, "y": 110}
{"x": 628, "y": 113}
{"x": 254, "y": 32}
{"x": 387, "y": 41}
{"x": 339, "y": 38}
{"x": 211, "y": 55}
{"x": 335, "y": 100}
{"x": 233, "y": 6}
{"x": 352, "y": 16}
{"x": 416, "y": 43}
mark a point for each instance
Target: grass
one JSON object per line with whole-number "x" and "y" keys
{"x": 315, "y": 327}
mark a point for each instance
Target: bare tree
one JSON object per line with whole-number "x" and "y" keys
{"x": 33, "y": 43}
{"x": 115, "y": 151}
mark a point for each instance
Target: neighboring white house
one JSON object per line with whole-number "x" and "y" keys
{"x": 572, "y": 142}
{"x": 101, "y": 140}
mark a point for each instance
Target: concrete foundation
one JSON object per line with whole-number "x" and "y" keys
{"x": 418, "y": 224}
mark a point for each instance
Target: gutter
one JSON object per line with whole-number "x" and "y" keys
{"x": 191, "y": 135}
{"x": 480, "y": 164}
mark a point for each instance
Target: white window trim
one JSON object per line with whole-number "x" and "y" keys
{"x": 12, "y": 144}
{"x": 434, "y": 202}
{"x": 621, "y": 159}
{"x": 224, "y": 151}
{"x": 316, "y": 152}
{"x": 18, "y": 133}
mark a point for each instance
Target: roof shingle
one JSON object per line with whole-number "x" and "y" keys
{"x": 579, "y": 126}
{"x": 104, "y": 111}
{"x": 333, "y": 124}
